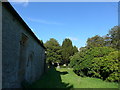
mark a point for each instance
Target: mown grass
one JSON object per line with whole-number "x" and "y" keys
{"x": 66, "y": 78}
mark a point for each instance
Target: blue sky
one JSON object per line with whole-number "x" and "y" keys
{"x": 75, "y": 20}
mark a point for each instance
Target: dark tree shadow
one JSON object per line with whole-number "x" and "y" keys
{"x": 52, "y": 79}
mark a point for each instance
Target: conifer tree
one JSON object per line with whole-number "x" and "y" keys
{"x": 67, "y": 50}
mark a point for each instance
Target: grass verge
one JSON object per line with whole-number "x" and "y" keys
{"x": 66, "y": 78}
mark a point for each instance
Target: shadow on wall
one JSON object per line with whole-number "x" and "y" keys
{"x": 51, "y": 79}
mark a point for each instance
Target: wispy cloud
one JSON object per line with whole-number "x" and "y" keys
{"x": 21, "y": 2}
{"x": 73, "y": 38}
{"x": 44, "y": 21}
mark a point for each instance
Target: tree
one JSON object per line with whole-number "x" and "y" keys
{"x": 107, "y": 40}
{"x": 75, "y": 50}
{"x": 114, "y": 35}
{"x": 67, "y": 50}
{"x": 107, "y": 67}
{"x": 112, "y": 39}
{"x": 95, "y": 41}
{"x": 100, "y": 57}
{"x": 53, "y": 51}
{"x": 100, "y": 62}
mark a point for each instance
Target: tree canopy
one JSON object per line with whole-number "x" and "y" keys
{"x": 114, "y": 35}
{"x": 53, "y": 51}
{"x": 68, "y": 50}
{"x": 100, "y": 57}
{"x": 95, "y": 41}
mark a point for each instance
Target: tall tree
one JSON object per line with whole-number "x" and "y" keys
{"x": 95, "y": 41}
{"x": 53, "y": 51}
{"x": 75, "y": 49}
{"x": 107, "y": 40}
{"x": 67, "y": 50}
{"x": 114, "y": 35}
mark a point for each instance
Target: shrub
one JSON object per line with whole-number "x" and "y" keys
{"x": 100, "y": 62}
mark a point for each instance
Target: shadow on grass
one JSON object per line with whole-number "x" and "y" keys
{"x": 51, "y": 79}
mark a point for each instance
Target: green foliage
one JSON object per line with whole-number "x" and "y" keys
{"x": 107, "y": 66}
{"x": 56, "y": 53}
{"x": 112, "y": 65}
{"x": 99, "y": 58}
{"x": 114, "y": 35}
{"x": 75, "y": 49}
{"x": 112, "y": 39}
{"x": 53, "y": 51}
{"x": 74, "y": 59}
{"x": 67, "y": 50}
{"x": 95, "y": 41}
{"x": 100, "y": 62}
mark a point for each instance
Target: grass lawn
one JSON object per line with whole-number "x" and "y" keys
{"x": 66, "y": 78}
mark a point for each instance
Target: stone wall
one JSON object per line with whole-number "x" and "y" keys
{"x": 23, "y": 57}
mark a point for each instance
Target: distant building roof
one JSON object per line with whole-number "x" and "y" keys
{"x": 17, "y": 16}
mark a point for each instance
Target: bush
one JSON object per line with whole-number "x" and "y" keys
{"x": 100, "y": 62}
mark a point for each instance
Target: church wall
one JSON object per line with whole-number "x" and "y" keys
{"x": 19, "y": 62}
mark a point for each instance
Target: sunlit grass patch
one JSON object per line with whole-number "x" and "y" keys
{"x": 66, "y": 78}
